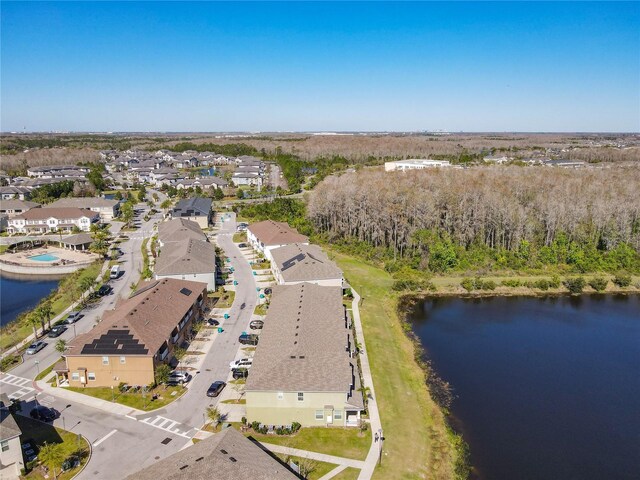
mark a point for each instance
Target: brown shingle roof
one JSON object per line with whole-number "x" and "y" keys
{"x": 178, "y": 230}
{"x": 83, "y": 202}
{"x": 227, "y": 455}
{"x": 269, "y": 232}
{"x": 302, "y": 346}
{"x": 299, "y": 262}
{"x": 188, "y": 256}
{"x": 44, "y": 213}
{"x": 8, "y": 426}
{"x": 148, "y": 316}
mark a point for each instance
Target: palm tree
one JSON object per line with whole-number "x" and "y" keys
{"x": 52, "y": 455}
{"x": 61, "y": 346}
{"x": 85, "y": 284}
{"x": 46, "y": 311}
{"x": 214, "y": 415}
{"x": 34, "y": 321}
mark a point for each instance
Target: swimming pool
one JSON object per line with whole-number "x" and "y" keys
{"x": 44, "y": 257}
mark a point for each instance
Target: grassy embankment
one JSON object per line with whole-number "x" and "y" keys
{"x": 134, "y": 400}
{"x": 418, "y": 443}
{"x": 65, "y": 295}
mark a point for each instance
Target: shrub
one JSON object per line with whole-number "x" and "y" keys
{"x": 622, "y": 280}
{"x": 575, "y": 285}
{"x": 542, "y": 284}
{"x": 255, "y": 426}
{"x": 511, "y": 283}
{"x": 599, "y": 284}
{"x": 468, "y": 284}
{"x": 554, "y": 282}
{"x": 477, "y": 284}
{"x": 295, "y": 426}
{"x": 244, "y": 420}
{"x": 121, "y": 387}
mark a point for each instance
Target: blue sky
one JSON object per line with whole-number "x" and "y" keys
{"x": 320, "y": 66}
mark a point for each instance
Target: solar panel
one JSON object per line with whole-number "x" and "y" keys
{"x": 185, "y": 291}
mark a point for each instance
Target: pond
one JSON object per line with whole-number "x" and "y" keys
{"x": 20, "y": 293}
{"x": 545, "y": 387}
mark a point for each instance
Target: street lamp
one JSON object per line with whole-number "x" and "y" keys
{"x": 113, "y": 397}
{"x": 74, "y": 330}
{"x": 37, "y": 365}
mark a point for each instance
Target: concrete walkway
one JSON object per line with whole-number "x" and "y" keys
{"x": 374, "y": 415}
{"x": 334, "y": 472}
{"x": 347, "y": 462}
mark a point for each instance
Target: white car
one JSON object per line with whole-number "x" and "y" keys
{"x": 242, "y": 363}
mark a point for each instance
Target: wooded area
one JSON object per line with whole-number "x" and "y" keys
{"x": 486, "y": 219}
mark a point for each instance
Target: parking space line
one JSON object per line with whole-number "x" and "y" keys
{"x": 98, "y": 442}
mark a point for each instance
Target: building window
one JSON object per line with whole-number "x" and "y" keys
{"x": 280, "y": 395}
{"x": 5, "y": 445}
{"x": 337, "y": 415}
{"x": 123, "y": 360}
{"x": 105, "y": 360}
{"x": 319, "y": 414}
{"x": 91, "y": 377}
{"x": 301, "y": 396}
{"x": 75, "y": 376}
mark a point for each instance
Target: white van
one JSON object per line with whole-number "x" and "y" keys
{"x": 115, "y": 271}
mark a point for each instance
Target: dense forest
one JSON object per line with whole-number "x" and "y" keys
{"x": 534, "y": 219}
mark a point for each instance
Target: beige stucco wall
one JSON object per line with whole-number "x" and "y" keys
{"x": 208, "y": 278}
{"x": 11, "y": 461}
{"x": 270, "y": 409}
{"x": 137, "y": 370}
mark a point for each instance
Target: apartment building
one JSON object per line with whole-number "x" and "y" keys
{"x": 43, "y": 220}
{"x": 106, "y": 208}
{"x": 300, "y": 262}
{"x": 267, "y": 235}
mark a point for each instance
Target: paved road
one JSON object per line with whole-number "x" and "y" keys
{"x": 190, "y": 408}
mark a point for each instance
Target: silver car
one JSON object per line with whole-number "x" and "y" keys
{"x": 35, "y": 348}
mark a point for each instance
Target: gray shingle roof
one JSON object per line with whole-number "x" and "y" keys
{"x": 78, "y": 239}
{"x": 302, "y": 346}
{"x": 192, "y": 207}
{"x": 187, "y": 256}
{"x": 8, "y": 426}
{"x": 83, "y": 202}
{"x": 227, "y": 455}
{"x": 299, "y": 262}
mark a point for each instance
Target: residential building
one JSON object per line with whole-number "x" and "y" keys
{"x": 196, "y": 209}
{"x": 564, "y": 163}
{"x": 499, "y": 159}
{"x": 252, "y": 179}
{"x": 140, "y": 334}
{"x": 12, "y": 191}
{"x": 227, "y": 455}
{"x": 179, "y": 230}
{"x": 303, "y": 370}
{"x": 11, "y": 459}
{"x": 43, "y": 220}
{"x": 300, "y": 262}
{"x": 193, "y": 260}
{"x": 204, "y": 183}
{"x": 11, "y": 208}
{"x": 58, "y": 171}
{"x": 266, "y": 235}
{"x": 106, "y": 208}
{"x": 414, "y": 164}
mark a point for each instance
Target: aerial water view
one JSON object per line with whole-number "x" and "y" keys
{"x": 319, "y": 240}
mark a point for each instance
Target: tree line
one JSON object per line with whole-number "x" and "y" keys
{"x": 485, "y": 219}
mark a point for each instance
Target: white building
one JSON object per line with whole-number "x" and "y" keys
{"x": 299, "y": 263}
{"x": 107, "y": 209}
{"x": 414, "y": 164}
{"x": 266, "y": 235}
{"x": 42, "y": 220}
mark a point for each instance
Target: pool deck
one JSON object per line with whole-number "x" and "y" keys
{"x": 67, "y": 261}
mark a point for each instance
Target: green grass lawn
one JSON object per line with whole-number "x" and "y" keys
{"x": 317, "y": 468}
{"x": 39, "y": 433}
{"x": 417, "y": 442}
{"x": 222, "y": 299}
{"x": 341, "y": 442}
{"x": 240, "y": 237}
{"x": 134, "y": 400}
{"x": 46, "y": 371}
{"x": 3, "y": 248}
{"x": 348, "y": 473}
{"x": 261, "y": 309}
{"x": 264, "y": 265}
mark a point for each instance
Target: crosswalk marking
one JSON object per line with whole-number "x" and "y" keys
{"x": 20, "y": 393}
{"x": 167, "y": 425}
{"x": 13, "y": 380}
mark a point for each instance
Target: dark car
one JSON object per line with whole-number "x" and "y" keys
{"x": 43, "y": 413}
{"x": 242, "y": 245}
{"x": 237, "y": 373}
{"x": 57, "y": 331}
{"x": 256, "y": 324}
{"x": 267, "y": 291}
{"x": 248, "y": 339}
{"x": 213, "y": 322}
{"x": 105, "y": 290}
{"x": 216, "y": 388}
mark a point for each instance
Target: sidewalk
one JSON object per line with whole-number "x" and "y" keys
{"x": 374, "y": 414}
{"x": 87, "y": 400}
{"x": 347, "y": 462}
{"x": 60, "y": 316}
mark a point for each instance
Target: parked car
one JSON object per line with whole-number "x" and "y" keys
{"x": 242, "y": 245}
{"x": 115, "y": 271}
{"x": 237, "y": 373}
{"x": 213, "y": 322}
{"x": 216, "y": 388}
{"x": 73, "y": 317}
{"x": 43, "y": 413}
{"x": 267, "y": 291}
{"x": 105, "y": 290}
{"x": 57, "y": 331}
{"x": 256, "y": 324}
{"x": 178, "y": 378}
{"x": 35, "y": 347}
{"x": 248, "y": 339}
{"x": 70, "y": 463}
{"x": 243, "y": 362}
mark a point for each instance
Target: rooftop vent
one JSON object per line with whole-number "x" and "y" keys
{"x": 199, "y": 458}
{"x": 183, "y": 467}
{"x": 233, "y": 459}
{"x": 223, "y": 452}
